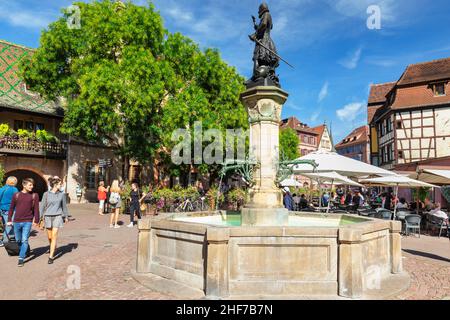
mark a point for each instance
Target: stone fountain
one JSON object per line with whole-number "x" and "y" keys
{"x": 266, "y": 251}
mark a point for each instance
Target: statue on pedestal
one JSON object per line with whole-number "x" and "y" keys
{"x": 265, "y": 56}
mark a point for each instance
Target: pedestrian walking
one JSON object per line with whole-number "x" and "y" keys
{"x": 55, "y": 214}
{"x": 135, "y": 204}
{"x": 6, "y": 194}
{"x": 25, "y": 208}
{"x": 116, "y": 203}
{"x": 101, "y": 196}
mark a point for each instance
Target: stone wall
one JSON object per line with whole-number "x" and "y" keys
{"x": 78, "y": 157}
{"x": 274, "y": 261}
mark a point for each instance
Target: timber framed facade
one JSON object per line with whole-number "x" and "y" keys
{"x": 410, "y": 119}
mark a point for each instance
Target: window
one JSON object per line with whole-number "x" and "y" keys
{"x": 388, "y": 125}
{"x": 439, "y": 89}
{"x": 400, "y": 154}
{"x": 90, "y": 175}
{"x": 399, "y": 124}
{"x": 29, "y": 125}
{"x": 18, "y": 124}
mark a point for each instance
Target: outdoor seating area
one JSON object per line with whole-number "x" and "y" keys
{"x": 346, "y": 186}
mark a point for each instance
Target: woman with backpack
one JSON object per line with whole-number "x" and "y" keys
{"x": 116, "y": 202}
{"x": 54, "y": 213}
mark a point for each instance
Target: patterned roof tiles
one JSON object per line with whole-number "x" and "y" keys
{"x": 13, "y": 91}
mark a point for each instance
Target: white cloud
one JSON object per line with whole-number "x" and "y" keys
{"x": 350, "y": 111}
{"x": 293, "y": 106}
{"x": 178, "y": 14}
{"x": 315, "y": 115}
{"x": 380, "y": 62}
{"x": 20, "y": 17}
{"x": 323, "y": 92}
{"x": 352, "y": 60}
{"x": 357, "y": 8}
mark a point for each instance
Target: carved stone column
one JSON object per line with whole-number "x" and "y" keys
{"x": 264, "y": 105}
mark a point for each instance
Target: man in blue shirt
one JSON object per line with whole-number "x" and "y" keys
{"x": 6, "y": 194}
{"x": 288, "y": 201}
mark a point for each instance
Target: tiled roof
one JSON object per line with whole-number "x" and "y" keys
{"x": 357, "y": 136}
{"x": 419, "y": 96}
{"x": 426, "y": 71}
{"x": 13, "y": 92}
{"x": 295, "y": 124}
{"x": 378, "y": 92}
{"x": 319, "y": 130}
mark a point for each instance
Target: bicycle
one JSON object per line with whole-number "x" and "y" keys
{"x": 185, "y": 206}
{"x": 200, "y": 204}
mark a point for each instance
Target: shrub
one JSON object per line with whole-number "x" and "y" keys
{"x": 237, "y": 197}
{"x": 25, "y": 134}
{"x": 126, "y": 191}
{"x": 4, "y": 130}
{"x": 44, "y": 136}
{"x": 212, "y": 197}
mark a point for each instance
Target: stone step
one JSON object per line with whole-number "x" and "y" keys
{"x": 167, "y": 286}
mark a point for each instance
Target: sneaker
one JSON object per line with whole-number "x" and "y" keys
{"x": 20, "y": 264}
{"x": 2, "y": 244}
{"x": 111, "y": 226}
{"x": 116, "y": 226}
{"x": 50, "y": 260}
{"x": 131, "y": 225}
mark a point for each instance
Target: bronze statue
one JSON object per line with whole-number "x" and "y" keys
{"x": 265, "y": 56}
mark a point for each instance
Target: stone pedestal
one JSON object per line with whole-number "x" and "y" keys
{"x": 264, "y": 105}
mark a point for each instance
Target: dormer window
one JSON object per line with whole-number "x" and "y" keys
{"x": 439, "y": 89}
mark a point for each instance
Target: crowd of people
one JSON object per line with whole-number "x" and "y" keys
{"x": 110, "y": 199}
{"x": 356, "y": 199}
{"x": 22, "y": 211}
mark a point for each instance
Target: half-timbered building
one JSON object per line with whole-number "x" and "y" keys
{"x": 410, "y": 119}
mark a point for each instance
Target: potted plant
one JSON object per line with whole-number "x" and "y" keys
{"x": 211, "y": 195}
{"x": 237, "y": 198}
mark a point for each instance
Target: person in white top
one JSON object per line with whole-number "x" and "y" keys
{"x": 437, "y": 212}
{"x": 402, "y": 204}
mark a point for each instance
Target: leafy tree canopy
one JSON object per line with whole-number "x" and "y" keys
{"x": 289, "y": 144}
{"x": 124, "y": 79}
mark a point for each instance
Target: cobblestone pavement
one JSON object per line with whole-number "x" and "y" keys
{"x": 427, "y": 260}
{"x": 106, "y": 256}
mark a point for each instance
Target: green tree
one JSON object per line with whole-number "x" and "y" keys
{"x": 289, "y": 144}
{"x": 126, "y": 81}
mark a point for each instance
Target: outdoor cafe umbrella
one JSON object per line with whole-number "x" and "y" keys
{"x": 290, "y": 183}
{"x": 334, "y": 177}
{"x": 397, "y": 181}
{"x": 328, "y": 161}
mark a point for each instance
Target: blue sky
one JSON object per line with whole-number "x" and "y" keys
{"x": 336, "y": 57}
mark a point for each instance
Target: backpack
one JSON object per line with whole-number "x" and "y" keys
{"x": 114, "y": 198}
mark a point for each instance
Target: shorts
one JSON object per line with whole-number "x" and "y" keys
{"x": 53, "y": 222}
{"x": 118, "y": 205}
{"x": 102, "y": 204}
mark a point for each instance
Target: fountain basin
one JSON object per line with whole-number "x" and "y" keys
{"x": 340, "y": 255}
